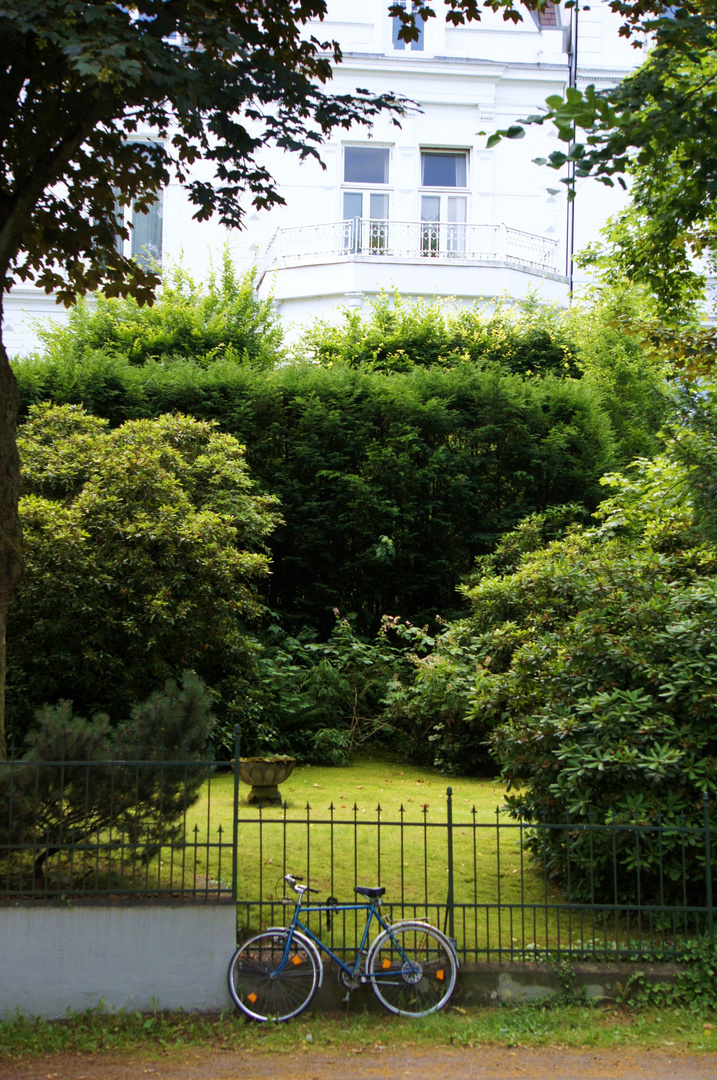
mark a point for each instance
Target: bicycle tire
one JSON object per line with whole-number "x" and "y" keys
{"x": 264, "y": 993}
{"x": 412, "y": 969}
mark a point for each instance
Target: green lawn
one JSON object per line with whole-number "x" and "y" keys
{"x": 334, "y": 835}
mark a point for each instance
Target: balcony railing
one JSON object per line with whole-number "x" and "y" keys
{"x": 492, "y": 244}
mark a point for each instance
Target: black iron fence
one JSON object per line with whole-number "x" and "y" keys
{"x": 80, "y": 829}
{"x": 502, "y": 888}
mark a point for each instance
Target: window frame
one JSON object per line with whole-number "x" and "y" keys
{"x": 398, "y": 44}
{"x": 373, "y": 237}
{"x": 447, "y": 152}
{"x": 365, "y": 183}
{"x": 129, "y": 215}
{"x": 442, "y": 236}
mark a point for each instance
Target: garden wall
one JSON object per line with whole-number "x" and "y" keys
{"x": 133, "y": 955}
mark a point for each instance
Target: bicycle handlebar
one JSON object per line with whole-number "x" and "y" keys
{"x": 293, "y": 879}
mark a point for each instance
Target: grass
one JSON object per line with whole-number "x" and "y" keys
{"x": 417, "y": 797}
{"x": 576, "y": 1026}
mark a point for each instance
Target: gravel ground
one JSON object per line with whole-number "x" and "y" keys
{"x": 379, "y": 1063}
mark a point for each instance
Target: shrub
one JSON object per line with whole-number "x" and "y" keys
{"x": 430, "y": 707}
{"x": 46, "y": 809}
{"x": 222, "y": 321}
{"x": 606, "y": 710}
{"x": 144, "y": 557}
{"x": 589, "y": 667}
{"x": 398, "y": 335}
{"x": 321, "y": 701}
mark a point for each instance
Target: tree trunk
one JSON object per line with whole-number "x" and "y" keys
{"x": 11, "y": 560}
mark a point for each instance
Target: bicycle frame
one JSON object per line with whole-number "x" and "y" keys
{"x": 297, "y": 925}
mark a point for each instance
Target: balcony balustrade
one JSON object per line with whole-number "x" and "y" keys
{"x": 497, "y": 245}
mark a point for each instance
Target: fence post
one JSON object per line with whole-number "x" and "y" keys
{"x": 449, "y": 899}
{"x": 708, "y": 865}
{"x": 235, "y": 834}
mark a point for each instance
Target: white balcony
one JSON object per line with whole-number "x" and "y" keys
{"x": 316, "y": 271}
{"x": 406, "y": 241}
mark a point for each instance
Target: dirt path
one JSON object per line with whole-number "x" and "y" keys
{"x": 478, "y": 1063}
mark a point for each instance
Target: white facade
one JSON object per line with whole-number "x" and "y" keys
{"x": 424, "y": 209}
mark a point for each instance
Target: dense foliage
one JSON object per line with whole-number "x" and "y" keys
{"x": 594, "y": 677}
{"x": 219, "y": 320}
{"x": 431, "y": 710}
{"x": 526, "y": 338}
{"x": 586, "y": 342}
{"x": 321, "y": 700}
{"x": 389, "y": 484}
{"x": 395, "y": 464}
{"x": 144, "y": 556}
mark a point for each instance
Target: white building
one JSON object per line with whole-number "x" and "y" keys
{"x": 425, "y": 209}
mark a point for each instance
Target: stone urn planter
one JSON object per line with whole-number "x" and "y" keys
{"x": 264, "y": 775}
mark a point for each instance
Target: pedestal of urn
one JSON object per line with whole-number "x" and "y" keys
{"x": 264, "y": 775}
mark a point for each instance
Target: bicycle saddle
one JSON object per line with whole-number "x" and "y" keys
{"x": 370, "y": 894}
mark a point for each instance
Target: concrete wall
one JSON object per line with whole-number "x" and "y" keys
{"x": 496, "y": 983}
{"x": 123, "y": 956}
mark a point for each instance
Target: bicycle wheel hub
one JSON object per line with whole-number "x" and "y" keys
{"x": 412, "y": 972}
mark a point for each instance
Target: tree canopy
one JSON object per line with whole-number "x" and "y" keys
{"x": 655, "y": 131}
{"x": 215, "y": 81}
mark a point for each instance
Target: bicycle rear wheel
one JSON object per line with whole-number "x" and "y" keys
{"x": 412, "y": 969}
{"x": 266, "y": 988}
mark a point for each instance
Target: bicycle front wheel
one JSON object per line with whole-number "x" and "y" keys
{"x": 267, "y": 982}
{"x": 412, "y": 968}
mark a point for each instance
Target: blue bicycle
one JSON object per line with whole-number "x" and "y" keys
{"x": 411, "y": 966}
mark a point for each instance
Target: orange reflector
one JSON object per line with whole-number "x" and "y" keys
{"x": 440, "y": 974}
{"x": 251, "y": 998}
{"x": 296, "y": 959}
{"x": 386, "y": 964}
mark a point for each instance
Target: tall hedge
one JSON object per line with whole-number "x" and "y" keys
{"x": 389, "y": 483}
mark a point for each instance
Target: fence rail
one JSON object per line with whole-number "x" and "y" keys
{"x": 476, "y": 243}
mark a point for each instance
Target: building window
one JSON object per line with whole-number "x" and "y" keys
{"x": 365, "y": 212}
{"x": 443, "y": 169}
{"x": 365, "y": 222}
{"x": 443, "y": 214}
{"x": 146, "y": 234}
{"x": 366, "y": 164}
{"x": 145, "y": 237}
{"x": 399, "y": 43}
